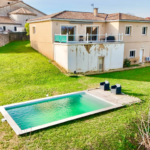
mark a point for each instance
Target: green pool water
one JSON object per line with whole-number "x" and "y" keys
{"x": 46, "y": 111}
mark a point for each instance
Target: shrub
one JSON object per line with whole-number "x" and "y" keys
{"x": 27, "y": 28}
{"x": 127, "y": 63}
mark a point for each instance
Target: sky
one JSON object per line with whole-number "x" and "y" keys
{"x": 135, "y": 7}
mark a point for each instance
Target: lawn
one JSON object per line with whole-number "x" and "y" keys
{"x": 25, "y": 74}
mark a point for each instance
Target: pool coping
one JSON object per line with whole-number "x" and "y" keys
{"x": 18, "y": 131}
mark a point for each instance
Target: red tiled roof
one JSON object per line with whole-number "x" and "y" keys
{"x": 121, "y": 16}
{"x": 73, "y": 15}
{"x": 80, "y": 15}
{"x": 7, "y": 20}
{"x": 90, "y": 16}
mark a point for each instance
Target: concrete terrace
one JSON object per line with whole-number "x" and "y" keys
{"x": 116, "y": 99}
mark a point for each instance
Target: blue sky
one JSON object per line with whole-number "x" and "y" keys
{"x": 136, "y": 7}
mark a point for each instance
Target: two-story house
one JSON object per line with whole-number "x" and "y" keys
{"x": 86, "y": 42}
{"x": 14, "y": 14}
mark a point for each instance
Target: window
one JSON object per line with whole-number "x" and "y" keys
{"x": 15, "y": 28}
{"x": 92, "y": 31}
{"x": 70, "y": 30}
{"x": 128, "y": 30}
{"x": 4, "y": 28}
{"x": 132, "y": 53}
{"x": 34, "y": 30}
{"x": 144, "y": 30}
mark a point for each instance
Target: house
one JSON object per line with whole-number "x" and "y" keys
{"x": 14, "y": 14}
{"x": 87, "y": 42}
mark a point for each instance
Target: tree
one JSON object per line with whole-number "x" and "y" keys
{"x": 27, "y": 28}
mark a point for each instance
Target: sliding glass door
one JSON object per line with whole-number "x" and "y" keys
{"x": 92, "y": 31}
{"x": 70, "y": 30}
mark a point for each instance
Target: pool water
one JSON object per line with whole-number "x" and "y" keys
{"x": 46, "y": 111}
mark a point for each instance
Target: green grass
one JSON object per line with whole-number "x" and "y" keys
{"x": 25, "y": 74}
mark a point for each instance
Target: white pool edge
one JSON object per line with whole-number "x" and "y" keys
{"x": 18, "y": 131}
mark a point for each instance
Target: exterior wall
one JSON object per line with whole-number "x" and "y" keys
{"x": 22, "y": 18}
{"x": 61, "y": 55}
{"x": 112, "y": 27}
{"x": 5, "y": 2}
{"x": 84, "y": 58}
{"x": 137, "y": 46}
{"x": 136, "y": 41}
{"x": 9, "y": 26}
{"x": 4, "y": 39}
{"x": 80, "y": 29}
{"x": 4, "y": 11}
{"x": 21, "y": 29}
{"x": 42, "y": 39}
{"x": 19, "y": 36}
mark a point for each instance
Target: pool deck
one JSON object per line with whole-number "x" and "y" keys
{"x": 122, "y": 99}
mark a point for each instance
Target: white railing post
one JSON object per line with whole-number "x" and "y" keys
{"x": 87, "y": 37}
{"x": 67, "y": 37}
{"x": 60, "y": 37}
{"x": 106, "y": 37}
{"x": 54, "y": 36}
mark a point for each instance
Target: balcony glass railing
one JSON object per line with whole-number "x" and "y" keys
{"x": 88, "y": 38}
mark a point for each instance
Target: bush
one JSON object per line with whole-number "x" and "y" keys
{"x": 127, "y": 63}
{"x": 27, "y": 28}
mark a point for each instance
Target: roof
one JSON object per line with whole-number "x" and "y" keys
{"x": 12, "y": 0}
{"x": 23, "y": 3}
{"x": 148, "y": 18}
{"x": 89, "y": 16}
{"x": 121, "y": 16}
{"x": 7, "y": 20}
{"x": 73, "y": 15}
{"x": 22, "y": 11}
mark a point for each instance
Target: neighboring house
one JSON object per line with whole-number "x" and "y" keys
{"x": 87, "y": 42}
{"x": 15, "y": 13}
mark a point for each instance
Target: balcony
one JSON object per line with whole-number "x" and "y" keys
{"x": 88, "y": 38}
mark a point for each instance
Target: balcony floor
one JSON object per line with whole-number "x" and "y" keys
{"x": 90, "y": 42}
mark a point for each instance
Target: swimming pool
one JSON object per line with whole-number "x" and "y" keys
{"x": 37, "y": 114}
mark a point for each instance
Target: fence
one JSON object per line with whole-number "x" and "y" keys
{"x": 15, "y": 36}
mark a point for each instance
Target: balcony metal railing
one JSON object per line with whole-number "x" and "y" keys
{"x": 88, "y": 38}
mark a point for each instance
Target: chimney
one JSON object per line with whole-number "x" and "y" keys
{"x": 95, "y": 12}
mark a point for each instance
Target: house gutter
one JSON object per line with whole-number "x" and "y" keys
{"x": 86, "y": 21}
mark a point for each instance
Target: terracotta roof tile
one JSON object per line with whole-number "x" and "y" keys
{"x": 121, "y": 16}
{"x": 46, "y": 17}
{"x": 148, "y": 18}
{"x": 73, "y": 15}
{"x": 7, "y": 20}
{"x": 80, "y": 16}
{"x": 89, "y": 16}
{"x": 23, "y": 11}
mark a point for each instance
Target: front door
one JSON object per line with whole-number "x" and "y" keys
{"x": 141, "y": 55}
{"x": 100, "y": 64}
